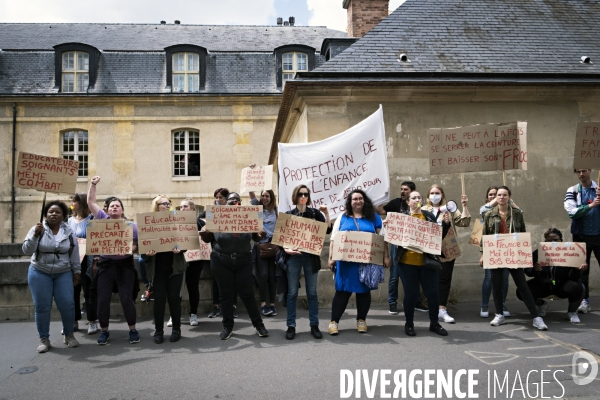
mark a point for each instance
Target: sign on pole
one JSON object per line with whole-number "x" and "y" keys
{"x": 561, "y": 254}
{"x": 304, "y": 234}
{"x": 256, "y": 179}
{"x": 450, "y": 247}
{"x": 413, "y": 233}
{"x": 507, "y": 250}
{"x": 587, "y": 146}
{"x": 361, "y": 247}
{"x": 46, "y": 174}
{"x": 109, "y": 237}
{"x": 164, "y": 230}
{"x": 234, "y": 219}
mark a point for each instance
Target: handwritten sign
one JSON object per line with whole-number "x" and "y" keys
{"x": 490, "y": 147}
{"x": 46, "y": 174}
{"x": 507, "y": 250}
{"x": 413, "y": 233}
{"x": 203, "y": 253}
{"x": 362, "y": 247}
{"x": 561, "y": 254}
{"x": 81, "y": 245}
{"x": 256, "y": 179}
{"x": 304, "y": 234}
{"x": 450, "y": 246}
{"x": 234, "y": 219}
{"x": 109, "y": 237}
{"x": 587, "y": 146}
{"x": 475, "y": 238}
{"x": 164, "y": 230}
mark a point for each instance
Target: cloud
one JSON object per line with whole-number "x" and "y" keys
{"x": 330, "y": 13}
{"x": 231, "y": 12}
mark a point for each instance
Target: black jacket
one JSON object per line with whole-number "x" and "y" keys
{"x": 548, "y": 274}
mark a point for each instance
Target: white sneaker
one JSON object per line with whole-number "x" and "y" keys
{"x": 170, "y": 323}
{"x": 573, "y": 317}
{"x": 484, "y": 313}
{"x": 44, "y": 346}
{"x": 444, "y": 317}
{"x": 92, "y": 327}
{"x": 542, "y": 309}
{"x": 505, "y": 311}
{"x": 498, "y": 320}
{"x": 584, "y": 308}
{"x": 193, "y": 320}
{"x": 538, "y": 322}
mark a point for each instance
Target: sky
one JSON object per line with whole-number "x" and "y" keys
{"x": 207, "y": 12}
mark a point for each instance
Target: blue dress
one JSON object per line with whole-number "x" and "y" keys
{"x": 346, "y": 275}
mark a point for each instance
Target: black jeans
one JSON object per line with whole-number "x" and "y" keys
{"x": 266, "y": 278}
{"x": 592, "y": 244}
{"x": 192, "y": 280}
{"x": 340, "y": 301}
{"x": 428, "y": 278}
{"x": 167, "y": 287}
{"x": 518, "y": 276}
{"x": 445, "y": 281}
{"x": 121, "y": 273}
{"x": 571, "y": 290}
{"x": 234, "y": 276}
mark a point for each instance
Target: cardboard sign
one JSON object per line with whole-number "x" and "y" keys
{"x": 413, "y": 233}
{"x": 475, "y": 238}
{"x": 164, "y": 230}
{"x": 561, "y": 254}
{"x": 361, "y": 247}
{"x": 203, "y": 253}
{"x": 490, "y": 147}
{"x": 46, "y": 174}
{"x": 507, "y": 250}
{"x": 450, "y": 246}
{"x": 256, "y": 179}
{"x": 304, "y": 234}
{"x": 109, "y": 237}
{"x": 587, "y": 146}
{"x": 81, "y": 244}
{"x": 234, "y": 219}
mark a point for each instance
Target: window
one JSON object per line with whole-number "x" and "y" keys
{"x": 293, "y": 62}
{"x": 186, "y": 72}
{"x": 186, "y": 153}
{"x": 75, "y": 147}
{"x": 75, "y": 71}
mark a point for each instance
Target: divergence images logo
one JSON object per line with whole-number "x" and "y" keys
{"x": 584, "y": 363}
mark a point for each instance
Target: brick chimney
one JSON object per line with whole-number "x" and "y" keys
{"x": 364, "y": 15}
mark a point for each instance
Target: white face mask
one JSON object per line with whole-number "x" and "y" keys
{"x": 435, "y": 198}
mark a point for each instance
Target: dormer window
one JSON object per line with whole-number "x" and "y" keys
{"x": 293, "y": 62}
{"x": 291, "y": 59}
{"x": 75, "y": 71}
{"x": 186, "y": 72}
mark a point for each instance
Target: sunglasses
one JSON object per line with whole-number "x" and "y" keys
{"x": 302, "y": 194}
{"x": 234, "y": 199}
{"x": 166, "y": 204}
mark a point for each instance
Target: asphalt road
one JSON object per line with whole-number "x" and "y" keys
{"x": 249, "y": 367}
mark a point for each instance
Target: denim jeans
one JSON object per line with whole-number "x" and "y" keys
{"x": 428, "y": 278}
{"x": 395, "y": 273}
{"x": 486, "y": 287}
{"x": 142, "y": 265}
{"x": 294, "y": 268}
{"x": 43, "y": 288}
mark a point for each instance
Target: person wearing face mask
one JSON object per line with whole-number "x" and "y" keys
{"x": 505, "y": 219}
{"x": 562, "y": 282}
{"x": 231, "y": 263}
{"x": 435, "y": 200}
{"x": 111, "y": 270}
{"x": 415, "y": 274}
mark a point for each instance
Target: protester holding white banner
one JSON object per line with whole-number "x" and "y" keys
{"x": 562, "y": 282}
{"x": 437, "y": 204}
{"x": 360, "y": 216}
{"x": 505, "y": 219}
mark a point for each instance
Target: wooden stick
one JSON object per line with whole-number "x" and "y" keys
{"x": 598, "y": 176}
{"x": 504, "y": 178}
{"x": 462, "y": 182}
{"x": 42, "y": 212}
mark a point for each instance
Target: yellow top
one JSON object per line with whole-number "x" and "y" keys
{"x": 411, "y": 257}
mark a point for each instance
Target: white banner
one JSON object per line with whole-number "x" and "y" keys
{"x": 332, "y": 168}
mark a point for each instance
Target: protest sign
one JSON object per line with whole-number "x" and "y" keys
{"x": 164, "y": 230}
{"x": 332, "y": 168}
{"x": 256, "y": 179}
{"x": 561, "y": 254}
{"x": 413, "y": 233}
{"x": 234, "y": 219}
{"x": 507, "y": 250}
{"x": 109, "y": 237}
{"x": 361, "y": 247}
{"x": 489, "y": 147}
{"x": 450, "y": 246}
{"x": 587, "y": 146}
{"x": 81, "y": 245}
{"x": 475, "y": 238}
{"x": 304, "y": 234}
{"x": 46, "y": 174}
{"x": 203, "y": 253}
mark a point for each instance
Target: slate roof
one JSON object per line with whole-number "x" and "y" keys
{"x": 478, "y": 36}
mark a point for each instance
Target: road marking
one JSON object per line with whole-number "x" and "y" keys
{"x": 483, "y": 355}
{"x": 533, "y": 347}
{"x": 557, "y": 355}
{"x": 511, "y": 330}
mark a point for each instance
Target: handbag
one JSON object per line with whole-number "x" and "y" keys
{"x": 371, "y": 275}
{"x": 267, "y": 250}
{"x": 432, "y": 261}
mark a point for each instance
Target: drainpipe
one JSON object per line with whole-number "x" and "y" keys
{"x": 14, "y": 167}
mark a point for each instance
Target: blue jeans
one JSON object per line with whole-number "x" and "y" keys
{"x": 142, "y": 265}
{"x": 294, "y": 268}
{"x": 395, "y": 273}
{"x": 43, "y": 288}
{"x": 486, "y": 287}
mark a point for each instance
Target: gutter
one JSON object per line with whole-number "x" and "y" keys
{"x": 14, "y": 167}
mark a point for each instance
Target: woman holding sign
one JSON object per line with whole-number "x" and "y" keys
{"x": 310, "y": 262}
{"x": 114, "y": 270}
{"x": 505, "y": 219}
{"x": 437, "y": 205}
{"x": 360, "y": 216}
